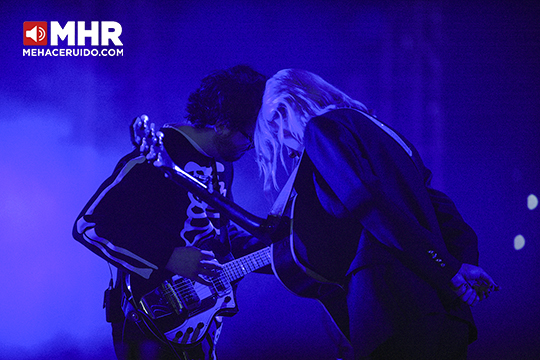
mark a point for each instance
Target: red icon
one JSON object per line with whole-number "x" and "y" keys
{"x": 35, "y": 33}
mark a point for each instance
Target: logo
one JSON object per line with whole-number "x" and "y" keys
{"x": 73, "y": 33}
{"x": 74, "y": 38}
{"x": 35, "y": 33}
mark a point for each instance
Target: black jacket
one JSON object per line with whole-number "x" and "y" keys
{"x": 366, "y": 193}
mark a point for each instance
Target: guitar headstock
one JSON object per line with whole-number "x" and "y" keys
{"x": 150, "y": 144}
{"x": 149, "y": 141}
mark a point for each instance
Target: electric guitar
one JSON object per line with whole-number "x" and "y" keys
{"x": 182, "y": 309}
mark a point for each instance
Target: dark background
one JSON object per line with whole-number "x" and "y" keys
{"x": 459, "y": 79}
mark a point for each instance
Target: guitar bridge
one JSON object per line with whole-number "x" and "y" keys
{"x": 173, "y": 299}
{"x": 156, "y": 305}
{"x": 181, "y": 294}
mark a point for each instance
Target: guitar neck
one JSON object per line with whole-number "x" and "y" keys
{"x": 150, "y": 143}
{"x": 238, "y": 268}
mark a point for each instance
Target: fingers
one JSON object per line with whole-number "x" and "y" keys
{"x": 484, "y": 285}
{"x": 206, "y": 254}
{"x": 488, "y": 281}
{"x": 203, "y": 281}
{"x": 195, "y": 264}
{"x": 482, "y": 293}
{"x": 208, "y": 265}
{"x": 468, "y": 295}
{"x": 212, "y": 265}
{"x": 472, "y": 295}
{"x": 208, "y": 270}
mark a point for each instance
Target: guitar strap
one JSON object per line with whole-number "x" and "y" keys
{"x": 286, "y": 193}
{"x": 224, "y": 247}
{"x": 389, "y": 131}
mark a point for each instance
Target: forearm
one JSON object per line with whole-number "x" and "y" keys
{"x": 459, "y": 237}
{"x": 85, "y": 233}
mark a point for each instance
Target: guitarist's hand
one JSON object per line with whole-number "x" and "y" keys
{"x": 191, "y": 262}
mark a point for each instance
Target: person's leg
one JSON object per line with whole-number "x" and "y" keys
{"x": 436, "y": 336}
{"x": 369, "y": 322}
{"x": 131, "y": 343}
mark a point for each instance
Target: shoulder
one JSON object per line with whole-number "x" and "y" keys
{"x": 344, "y": 115}
{"x": 334, "y": 123}
{"x": 346, "y": 118}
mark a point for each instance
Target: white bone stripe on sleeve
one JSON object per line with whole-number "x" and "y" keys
{"x": 121, "y": 174}
{"x": 104, "y": 246}
{"x": 86, "y": 229}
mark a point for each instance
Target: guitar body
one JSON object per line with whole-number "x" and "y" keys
{"x": 295, "y": 276}
{"x": 182, "y": 309}
{"x": 313, "y": 260}
{"x": 303, "y": 282}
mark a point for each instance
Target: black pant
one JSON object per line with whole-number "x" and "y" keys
{"x": 132, "y": 341}
{"x": 436, "y": 336}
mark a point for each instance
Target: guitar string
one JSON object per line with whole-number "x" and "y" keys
{"x": 261, "y": 258}
{"x": 186, "y": 288}
{"x": 224, "y": 278}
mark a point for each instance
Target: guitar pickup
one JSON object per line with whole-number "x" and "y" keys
{"x": 181, "y": 294}
{"x": 221, "y": 285}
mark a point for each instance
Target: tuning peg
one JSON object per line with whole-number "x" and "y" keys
{"x": 143, "y": 124}
{"x": 150, "y": 129}
{"x": 159, "y": 160}
{"x": 144, "y": 146}
{"x": 159, "y": 138}
{"x": 151, "y": 154}
{"x": 139, "y": 129}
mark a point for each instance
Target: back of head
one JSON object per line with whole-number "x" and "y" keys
{"x": 230, "y": 97}
{"x": 304, "y": 93}
{"x": 292, "y": 96}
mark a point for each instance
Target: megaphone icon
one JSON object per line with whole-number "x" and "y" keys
{"x": 33, "y": 34}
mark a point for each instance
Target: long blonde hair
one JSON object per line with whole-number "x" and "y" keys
{"x": 294, "y": 96}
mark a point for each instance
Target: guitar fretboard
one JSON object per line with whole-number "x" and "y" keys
{"x": 235, "y": 269}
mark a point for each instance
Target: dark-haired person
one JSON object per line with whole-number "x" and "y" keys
{"x": 150, "y": 228}
{"x": 367, "y": 218}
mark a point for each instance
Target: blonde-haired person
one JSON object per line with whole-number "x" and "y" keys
{"x": 367, "y": 218}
